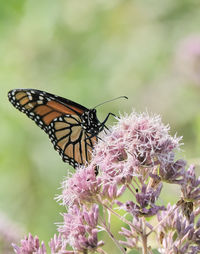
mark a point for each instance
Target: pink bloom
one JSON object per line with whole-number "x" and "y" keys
{"x": 79, "y": 228}
{"x": 191, "y": 187}
{"x": 178, "y": 234}
{"x": 173, "y": 172}
{"x": 30, "y": 245}
{"x": 132, "y": 148}
{"x": 57, "y": 245}
{"x": 82, "y": 187}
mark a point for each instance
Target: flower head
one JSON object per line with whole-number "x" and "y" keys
{"x": 177, "y": 233}
{"x": 30, "y": 245}
{"x": 82, "y": 187}
{"x": 79, "y": 228}
{"x": 138, "y": 140}
{"x": 173, "y": 172}
{"x": 57, "y": 245}
{"x": 191, "y": 186}
{"x": 133, "y": 148}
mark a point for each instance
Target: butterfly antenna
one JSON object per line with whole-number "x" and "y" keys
{"x": 124, "y": 97}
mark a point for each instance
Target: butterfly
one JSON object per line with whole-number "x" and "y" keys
{"x": 72, "y": 128}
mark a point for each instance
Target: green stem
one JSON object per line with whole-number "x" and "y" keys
{"x": 166, "y": 216}
{"x": 123, "y": 219}
{"x": 144, "y": 244}
{"x": 112, "y": 236}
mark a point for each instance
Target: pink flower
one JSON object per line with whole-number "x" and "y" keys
{"x": 57, "y": 245}
{"x": 132, "y": 148}
{"x": 30, "y": 245}
{"x": 173, "y": 172}
{"x": 79, "y": 228}
{"x": 178, "y": 234}
{"x": 82, "y": 187}
{"x": 191, "y": 187}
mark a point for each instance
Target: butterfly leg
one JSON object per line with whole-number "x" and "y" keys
{"x": 106, "y": 119}
{"x": 102, "y": 126}
{"x": 106, "y": 129}
{"x": 90, "y": 137}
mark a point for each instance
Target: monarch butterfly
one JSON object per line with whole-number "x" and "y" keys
{"x": 72, "y": 128}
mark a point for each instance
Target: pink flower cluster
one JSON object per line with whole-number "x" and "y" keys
{"x": 136, "y": 155}
{"x": 81, "y": 187}
{"x": 177, "y": 233}
{"x": 30, "y": 245}
{"x": 79, "y": 228}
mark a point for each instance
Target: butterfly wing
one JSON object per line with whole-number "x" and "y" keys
{"x": 60, "y": 119}
{"x": 70, "y": 140}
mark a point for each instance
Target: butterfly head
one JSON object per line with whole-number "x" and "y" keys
{"x": 90, "y": 122}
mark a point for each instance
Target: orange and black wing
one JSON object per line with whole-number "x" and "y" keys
{"x": 72, "y": 142}
{"x": 60, "y": 119}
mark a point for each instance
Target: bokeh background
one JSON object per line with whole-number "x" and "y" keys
{"x": 90, "y": 51}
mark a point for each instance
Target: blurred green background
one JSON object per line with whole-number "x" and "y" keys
{"x": 90, "y": 51}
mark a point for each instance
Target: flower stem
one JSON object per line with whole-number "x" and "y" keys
{"x": 123, "y": 219}
{"x": 128, "y": 186}
{"x": 168, "y": 214}
{"x": 144, "y": 237}
{"x": 144, "y": 244}
{"x": 112, "y": 237}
